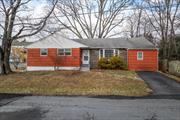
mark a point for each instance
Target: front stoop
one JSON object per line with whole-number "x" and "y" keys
{"x": 85, "y": 68}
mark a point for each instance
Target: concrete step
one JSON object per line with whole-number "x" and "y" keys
{"x": 85, "y": 69}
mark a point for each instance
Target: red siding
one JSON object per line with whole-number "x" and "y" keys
{"x": 149, "y": 62}
{"x": 34, "y": 58}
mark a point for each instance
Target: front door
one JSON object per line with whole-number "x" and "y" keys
{"x": 85, "y": 56}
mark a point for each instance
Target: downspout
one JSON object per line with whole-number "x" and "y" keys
{"x": 127, "y": 58}
{"x": 26, "y": 58}
{"x": 157, "y": 59}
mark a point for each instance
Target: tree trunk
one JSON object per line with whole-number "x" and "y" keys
{"x": 163, "y": 47}
{"x": 5, "y": 53}
{"x": 5, "y": 66}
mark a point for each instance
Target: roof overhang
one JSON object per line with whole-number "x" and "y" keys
{"x": 143, "y": 48}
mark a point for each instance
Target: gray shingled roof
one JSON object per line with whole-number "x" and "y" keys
{"x": 131, "y": 43}
{"x": 56, "y": 40}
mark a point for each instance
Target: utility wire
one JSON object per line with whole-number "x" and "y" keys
{"x": 135, "y": 8}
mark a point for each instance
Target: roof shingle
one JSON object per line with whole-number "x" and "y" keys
{"x": 131, "y": 43}
{"x": 57, "y": 40}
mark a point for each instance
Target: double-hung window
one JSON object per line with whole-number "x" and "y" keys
{"x": 64, "y": 52}
{"x": 116, "y": 52}
{"x": 101, "y": 53}
{"x": 139, "y": 55}
{"x": 43, "y": 51}
{"x": 108, "y": 53}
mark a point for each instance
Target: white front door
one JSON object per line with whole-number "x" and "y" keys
{"x": 85, "y": 56}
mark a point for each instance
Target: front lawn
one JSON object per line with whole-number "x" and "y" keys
{"x": 95, "y": 82}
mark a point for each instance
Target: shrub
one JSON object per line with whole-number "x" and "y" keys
{"x": 103, "y": 63}
{"x": 114, "y": 62}
{"x": 117, "y": 63}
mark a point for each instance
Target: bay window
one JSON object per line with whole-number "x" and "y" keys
{"x": 101, "y": 53}
{"x": 108, "y": 53}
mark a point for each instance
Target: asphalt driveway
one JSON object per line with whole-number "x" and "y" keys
{"x": 160, "y": 84}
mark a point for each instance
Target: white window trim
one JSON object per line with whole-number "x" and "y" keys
{"x": 103, "y": 53}
{"x": 41, "y": 50}
{"x": 100, "y": 53}
{"x": 138, "y": 55}
{"x": 63, "y": 51}
{"x": 114, "y": 52}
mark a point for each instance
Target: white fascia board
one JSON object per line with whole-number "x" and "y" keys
{"x": 143, "y": 48}
{"x": 50, "y": 68}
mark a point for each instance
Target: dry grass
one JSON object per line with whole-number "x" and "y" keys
{"x": 96, "y": 82}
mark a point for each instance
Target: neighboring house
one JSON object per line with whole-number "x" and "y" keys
{"x": 18, "y": 50}
{"x": 18, "y": 53}
{"x": 59, "y": 53}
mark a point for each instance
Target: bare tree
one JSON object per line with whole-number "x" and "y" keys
{"x": 139, "y": 17}
{"x": 138, "y": 24}
{"x": 134, "y": 23}
{"x": 17, "y": 23}
{"x": 163, "y": 14}
{"x": 90, "y": 18}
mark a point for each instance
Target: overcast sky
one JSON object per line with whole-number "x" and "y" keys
{"x": 38, "y": 11}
